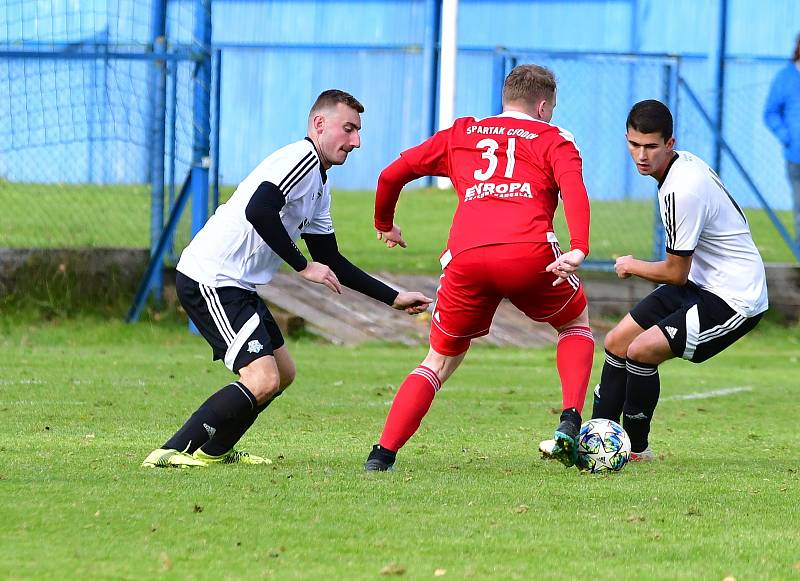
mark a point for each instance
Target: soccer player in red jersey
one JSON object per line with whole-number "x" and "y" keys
{"x": 507, "y": 171}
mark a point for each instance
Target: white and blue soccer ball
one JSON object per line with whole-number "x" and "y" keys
{"x": 603, "y": 445}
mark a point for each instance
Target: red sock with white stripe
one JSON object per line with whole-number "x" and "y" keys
{"x": 574, "y": 355}
{"x": 412, "y": 402}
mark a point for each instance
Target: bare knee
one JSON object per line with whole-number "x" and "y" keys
{"x": 620, "y": 338}
{"x": 650, "y": 347}
{"x": 636, "y": 351}
{"x": 616, "y": 342}
{"x": 262, "y": 379}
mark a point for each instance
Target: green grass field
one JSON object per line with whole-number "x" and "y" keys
{"x": 119, "y": 216}
{"x": 83, "y": 401}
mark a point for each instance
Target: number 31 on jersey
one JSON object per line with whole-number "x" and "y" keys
{"x": 490, "y": 146}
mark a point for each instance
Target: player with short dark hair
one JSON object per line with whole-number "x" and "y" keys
{"x": 713, "y": 286}
{"x": 333, "y": 97}
{"x": 507, "y": 171}
{"x": 287, "y": 196}
{"x": 650, "y": 116}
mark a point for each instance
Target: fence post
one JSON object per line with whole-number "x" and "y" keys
{"x": 430, "y": 61}
{"x": 173, "y": 152}
{"x": 215, "y": 141}
{"x": 498, "y": 77}
{"x": 158, "y": 77}
{"x": 202, "y": 114}
{"x": 719, "y": 84}
{"x": 201, "y": 159}
{"x": 448, "y": 63}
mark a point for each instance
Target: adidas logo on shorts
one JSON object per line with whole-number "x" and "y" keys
{"x": 672, "y": 331}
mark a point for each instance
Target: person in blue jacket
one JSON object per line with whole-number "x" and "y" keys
{"x": 782, "y": 116}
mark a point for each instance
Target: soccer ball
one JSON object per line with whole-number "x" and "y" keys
{"x": 603, "y": 445}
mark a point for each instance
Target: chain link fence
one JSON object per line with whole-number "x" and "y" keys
{"x": 753, "y": 168}
{"x": 81, "y": 118}
{"x": 80, "y": 122}
{"x": 595, "y": 93}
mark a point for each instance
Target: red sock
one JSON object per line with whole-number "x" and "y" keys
{"x": 412, "y": 402}
{"x": 574, "y": 355}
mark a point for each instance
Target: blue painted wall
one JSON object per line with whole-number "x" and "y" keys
{"x": 266, "y": 90}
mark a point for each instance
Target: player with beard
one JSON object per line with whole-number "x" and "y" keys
{"x": 287, "y": 196}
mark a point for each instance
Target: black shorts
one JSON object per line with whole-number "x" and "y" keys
{"x": 698, "y": 324}
{"x": 235, "y": 322}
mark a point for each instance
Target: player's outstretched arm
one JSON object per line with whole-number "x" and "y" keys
{"x": 324, "y": 249}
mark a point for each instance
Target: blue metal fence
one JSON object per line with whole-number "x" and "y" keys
{"x": 84, "y": 94}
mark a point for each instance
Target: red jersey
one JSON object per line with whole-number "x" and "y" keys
{"x": 507, "y": 171}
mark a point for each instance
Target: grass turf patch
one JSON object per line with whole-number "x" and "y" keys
{"x": 83, "y": 401}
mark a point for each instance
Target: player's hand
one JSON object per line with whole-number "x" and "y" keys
{"x": 623, "y": 265}
{"x": 393, "y": 237}
{"x": 565, "y": 265}
{"x": 411, "y": 302}
{"x": 321, "y": 274}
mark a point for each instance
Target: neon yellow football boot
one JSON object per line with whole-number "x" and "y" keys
{"x": 233, "y": 456}
{"x": 167, "y": 458}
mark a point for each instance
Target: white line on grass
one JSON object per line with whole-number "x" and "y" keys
{"x": 23, "y": 402}
{"x": 706, "y": 394}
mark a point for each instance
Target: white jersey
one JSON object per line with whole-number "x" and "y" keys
{"x": 702, "y": 219}
{"x": 228, "y": 251}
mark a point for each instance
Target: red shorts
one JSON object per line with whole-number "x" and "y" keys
{"x": 476, "y": 280}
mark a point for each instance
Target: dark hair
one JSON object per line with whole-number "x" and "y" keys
{"x": 529, "y": 84}
{"x": 650, "y": 116}
{"x": 796, "y": 55}
{"x": 332, "y": 97}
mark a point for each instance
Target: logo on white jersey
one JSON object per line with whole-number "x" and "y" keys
{"x": 671, "y": 331}
{"x": 254, "y": 346}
